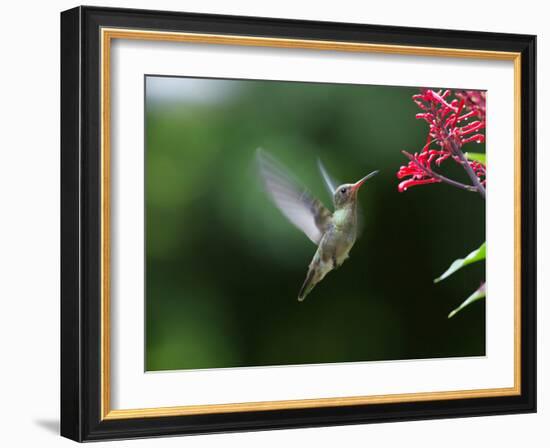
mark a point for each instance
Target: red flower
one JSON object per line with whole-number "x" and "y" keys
{"x": 474, "y": 100}
{"x": 452, "y": 123}
{"x": 479, "y": 170}
{"x": 420, "y": 170}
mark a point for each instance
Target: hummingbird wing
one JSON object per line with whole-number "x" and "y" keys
{"x": 294, "y": 201}
{"x": 330, "y": 183}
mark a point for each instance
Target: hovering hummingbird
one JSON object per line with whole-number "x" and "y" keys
{"x": 333, "y": 233}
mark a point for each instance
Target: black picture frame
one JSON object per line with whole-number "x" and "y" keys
{"x": 81, "y": 224}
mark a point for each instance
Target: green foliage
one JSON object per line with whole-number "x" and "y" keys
{"x": 477, "y": 156}
{"x": 474, "y": 297}
{"x": 472, "y": 257}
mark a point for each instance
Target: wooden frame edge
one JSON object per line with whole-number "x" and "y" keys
{"x": 107, "y": 34}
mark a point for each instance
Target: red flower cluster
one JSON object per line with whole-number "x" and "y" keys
{"x": 419, "y": 169}
{"x": 473, "y": 100}
{"x": 450, "y": 127}
{"x": 479, "y": 170}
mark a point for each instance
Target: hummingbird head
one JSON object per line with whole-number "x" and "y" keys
{"x": 347, "y": 193}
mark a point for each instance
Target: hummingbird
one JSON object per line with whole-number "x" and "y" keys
{"x": 334, "y": 233}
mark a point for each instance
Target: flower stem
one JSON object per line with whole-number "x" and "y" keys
{"x": 438, "y": 176}
{"x": 473, "y": 176}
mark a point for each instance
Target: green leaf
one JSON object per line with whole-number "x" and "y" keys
{"x": 478, "y": 294}
{"x": 476, "y": 255}
{"x": 477, "y": 156}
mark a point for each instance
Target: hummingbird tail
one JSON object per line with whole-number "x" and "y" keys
{"x": 308, "y": 285}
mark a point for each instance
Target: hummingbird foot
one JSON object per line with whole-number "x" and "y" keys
{"x": 335, "y": 264}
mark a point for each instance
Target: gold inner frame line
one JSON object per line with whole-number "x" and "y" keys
{"x": 107, "y": 35}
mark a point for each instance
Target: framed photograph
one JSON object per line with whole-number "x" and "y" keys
{"x": 275, "y": 224}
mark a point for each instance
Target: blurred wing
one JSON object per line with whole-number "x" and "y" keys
{"x": 295, "y": 202}
{"x": 330, "y": 183}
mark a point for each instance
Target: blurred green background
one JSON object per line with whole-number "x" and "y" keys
{"x": 223, "y": 266}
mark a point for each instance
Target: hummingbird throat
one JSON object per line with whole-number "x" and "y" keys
{"x": 344, "y": 216}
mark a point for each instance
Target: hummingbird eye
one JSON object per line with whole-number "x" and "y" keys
{"x": 343, "y": 190}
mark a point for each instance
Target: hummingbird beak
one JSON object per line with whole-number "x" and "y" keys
{"x": 360, "y": 182}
